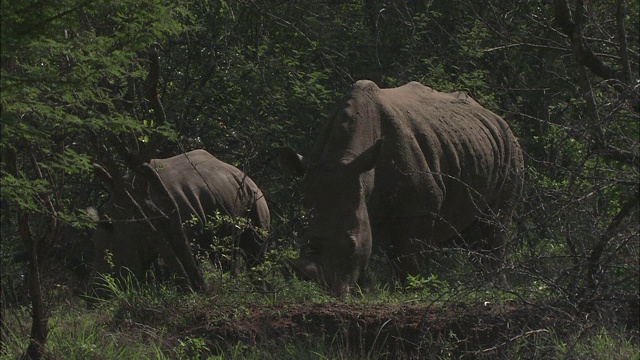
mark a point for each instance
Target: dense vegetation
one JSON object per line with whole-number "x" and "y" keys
{"x": 115, "y": 83}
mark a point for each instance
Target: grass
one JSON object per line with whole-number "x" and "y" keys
{"x": 595, "y": 344}
{"x": 76, "y": 333}
{"x": 144, "y": 321}
{"x": 601, "y": 344}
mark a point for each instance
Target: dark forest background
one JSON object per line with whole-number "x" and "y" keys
{"x": 90, "y": 81}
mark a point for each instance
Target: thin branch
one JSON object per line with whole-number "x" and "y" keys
{"x": 495, "y": 348}
{"x": 39, "y": 25}
{"x": 571, "y": 26}
{"x": 537, "y": 46}
{"x": 596, "y": 252}
{"x": 622, "y": 36}
{"x": 151, "y": 85}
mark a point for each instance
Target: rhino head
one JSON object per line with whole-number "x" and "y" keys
{"x": 122, "y": 245}
{"x": 338, "y": 236}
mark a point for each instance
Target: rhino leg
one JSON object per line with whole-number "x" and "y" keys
{"x": 407, "y": 262}
{"x": 492, "y": 247}
{"x": 177, "y": 252}
{"x": 408, "y": 247}
{"x": 252, "y": 246}
{"x": 485, "y": 238}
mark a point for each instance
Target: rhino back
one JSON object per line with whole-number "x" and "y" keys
{"x": 202, "y": 184}
{"x": 444, "y": 155}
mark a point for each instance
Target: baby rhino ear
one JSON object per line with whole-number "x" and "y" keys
{"x": 368, "y": 159}
{"x": 291, "y": 160}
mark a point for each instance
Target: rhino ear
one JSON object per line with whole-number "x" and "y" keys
{"x": 367, "y": 160}
{"x": 104, "y": 176}
{"x": 291, "y": 160}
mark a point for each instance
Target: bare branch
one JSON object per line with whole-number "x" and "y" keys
{"x": 571, "y": 26}
{"x": 103, "y": 175}
{"x": 598, "y": 249}
{"x": 622, "y": 36}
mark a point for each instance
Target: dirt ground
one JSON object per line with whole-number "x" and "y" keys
{"x": 409, "y": 330}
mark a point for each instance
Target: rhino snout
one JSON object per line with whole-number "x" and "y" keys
{"x": 306, "y": 268}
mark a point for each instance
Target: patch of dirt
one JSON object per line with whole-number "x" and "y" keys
{"x": 408, "y": 330}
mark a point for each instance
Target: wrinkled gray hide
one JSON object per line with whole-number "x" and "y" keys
{"x": 200, "y": 185}
{"x": 409, "y": 168}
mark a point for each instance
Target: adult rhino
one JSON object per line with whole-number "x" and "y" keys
{"x": 199, "y": 185}
{"x": 409, "y": 168}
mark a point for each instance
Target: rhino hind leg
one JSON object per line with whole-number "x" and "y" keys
{"x": 486, "y": 239}
{"x": 410, "y": 245}
{"x": 493, "y": 248}
{"x": 252, "y": 247}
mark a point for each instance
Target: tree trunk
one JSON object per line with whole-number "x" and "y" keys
{"x": 39, "y": 324}
{"x": 39, "y": 319}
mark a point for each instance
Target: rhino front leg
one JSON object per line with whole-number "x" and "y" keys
{"x": 408, "y": 250}
{"x": 176, "y": 251}
{"x": 410, "y": 259}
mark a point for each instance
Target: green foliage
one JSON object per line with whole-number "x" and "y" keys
{"x": 192, "y": 348}
{"x": 69, "y": 74}
{"x": 127, "y": 293}
{"x": 423, "y": 284}
{"x": 64, "y": 67}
